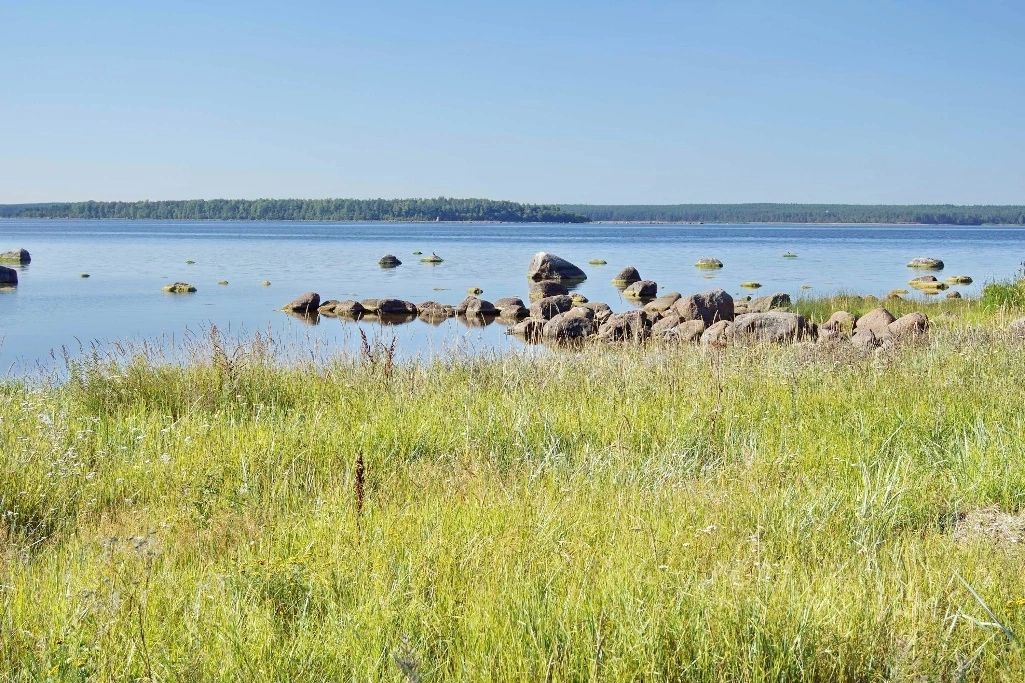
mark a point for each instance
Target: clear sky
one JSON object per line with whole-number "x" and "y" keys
{"x": 599, "y": 102}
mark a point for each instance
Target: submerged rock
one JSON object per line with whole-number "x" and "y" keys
{"x": 926, "y": 263}
{"x": 959, "y": 280}
{"x": 389, "y": 261}
{"x": 304, "y": 303}
{"x": 179, "y": 288}
{"x": 709, "y": 263}
{"x": 507, "y": 301}
{"x": 348, "y": 308}
{"x": 545, "y": 266}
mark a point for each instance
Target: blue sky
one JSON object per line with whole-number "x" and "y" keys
{"x": 600, "y": 102}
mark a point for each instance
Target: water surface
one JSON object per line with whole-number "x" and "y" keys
{"x": 129, "y": 261}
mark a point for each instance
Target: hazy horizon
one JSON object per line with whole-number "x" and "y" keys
{"x": 658, "y": 103}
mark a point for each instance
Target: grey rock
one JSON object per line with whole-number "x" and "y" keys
{"x": 513, "y": 312}
{"x": 663, "y": 303}
{"x": 304, "y": 303}
{"x": 530, "y": 329}
{"x": 629, "y": 326}
{"x": 567, "y": 327}
{"x": 550, "y": 306}
{"x": 777, "y": 327}
{"x": 909, "y": 326}
{"x": 547, "y": 288}
{"x": 877, "y": 320}
{"x": 716, "y": 334}
{"x": 348, "y": 308}
{"x": 627, "y": 276}
{"x": 666, "y": 323}
{"x": 389, "y": 261}
{"x": 710, "y": 306}
{"x": 642, "y": 289}
{"x": 763, "y": 304}
{"x": 507, "y": 301}
{"x": 545, "y": 266}
{"x": 395, "y": 307}
{"x": 926, "y": 262}
{"x": 476, "y": 308}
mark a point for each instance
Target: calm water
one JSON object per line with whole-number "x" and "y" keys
{"x": 129, "y": 261}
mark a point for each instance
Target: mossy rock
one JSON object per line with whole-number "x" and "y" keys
{"x": 751, "y": 285}
{"x": 190, "y": 262}
{"x": 897, "y": 293}
{"x": 598, "y": 262}
{"x": 579, "y": 299}
{"x": 789, "y": 254}
{"x": 179, "y": 288}
{"x": 709, "y": 263}
{"x": 417, "y": 253}
{"x": 805, "y": 286}
{"x": 433, "y": 258}
{"x": 959, "y": 280}
{"x": 223, "y": 282}
{"x": 474, "y": 291}
{"x": 265, "y": 283}
{"x": 926, "y": 263}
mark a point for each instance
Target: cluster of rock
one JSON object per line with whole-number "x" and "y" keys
{"x": 710, "y": 318}
{"x": 9, "y": 276}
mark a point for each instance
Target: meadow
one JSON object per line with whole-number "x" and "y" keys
{"x": 804, "y": 512}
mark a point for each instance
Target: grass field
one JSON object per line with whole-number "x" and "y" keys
{"x": 770, "y": 513}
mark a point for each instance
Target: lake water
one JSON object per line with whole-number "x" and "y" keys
{"x": 129, "y": 261}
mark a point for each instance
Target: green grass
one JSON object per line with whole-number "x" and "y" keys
{"x": 750, "y": 514}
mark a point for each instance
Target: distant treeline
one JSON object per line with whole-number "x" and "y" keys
{"x": 946, "y": 214}
{"x": 440, "y": 209}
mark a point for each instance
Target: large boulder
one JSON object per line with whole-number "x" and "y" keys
{"x": 477, "y": 307}
{"x": 777, "y": 327}
{"x": 16, "y": 256}
{"x": 629, "y": 326}
{"x": 909, "y": 326}
{"x": 877, "y": 320}
{"x": 839, "y": 326}
{"x": 716, "y": 334}
{"x": 666, "y": 323}
{"x": 709, "y": 307}
{"x": 627, "y": 276}
{"x": 546, "y": 288}
{"x": 642, "y": 289}
{"x": 304, "y": 303}
{"x": 8, "y": 276}
{"x": 567, "y": 327}
{"x": 763, "y": 304}
{"x": 867, "y": 340}
{"x": 545, "y": 266}
{"x": 513, "y": 312}
{"x": 550, "y": 306}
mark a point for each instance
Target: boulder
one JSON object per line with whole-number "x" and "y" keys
{"x": 545, "y": 266}
{"x": 688, "y": 331}
{"x": 642, "y": 289}
{"x": 389, "y": 261}
{"x": 327, "y": 307}
{"x": 627, "y": 276}
{"x": 840, "y": 325}
{"x": 602, "y": 312}
{"x": 476, "y": 308}
{"x": 909, "y": 326}
{"x": 8, "y": 276}
{"x": 580, "y": 312}
{"x": 567, "y": 327}
{"x": 16, "y": 256}
{"x": 395, "y": 307}
{"x": 877, "y": 320}
{"x": 777, "y": 327}
{"x": 507, "y": 301}
{"x": 629, "y": 326}
{"x": 432, "y": 310}
{"x": 578, "y": 298}
{"x": 551, "y": 306}
{"x": 923, "y": 281}
{"x": 709, "y": 263}
{"x": 513, "y": 312}
{"x": 530, "y": 329}
{"x": 953, "y": 295}
{"x": 764, "y": 304}
{"x": 179, "y": 288}
{"x": 348, "y": 308}
{"x": 959, "y": 280}
{"x": 546, "y": 288}
{"x": 710, "y": 307}
{"x": 926, "y": 263}
{"x": 663, "y": 303}
{"x": 867, "y": 340}
{"x": 716, "y": 334}
{"x": 304, "y": 303}
{"x": 666, "y": 323}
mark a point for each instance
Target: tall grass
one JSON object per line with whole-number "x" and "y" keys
{"x": 619, "y": 514}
